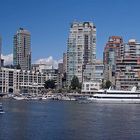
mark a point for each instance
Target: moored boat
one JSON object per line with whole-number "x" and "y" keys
{"x": 116, "y": 96}
{"x": 18, "y": 97}
{"x": 48, "y": 97}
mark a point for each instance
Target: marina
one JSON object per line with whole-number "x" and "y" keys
{"x": 102, "y": 95}
{"x": 56, "y": 96}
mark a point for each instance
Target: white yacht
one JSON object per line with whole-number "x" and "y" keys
{"x": 116, "y": 96}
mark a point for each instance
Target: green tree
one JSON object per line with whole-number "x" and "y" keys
{"x": 75, "y": 83}
{"x": 107, "y": 84}
{"x": 18, "y": 66}
{"x": 49, "y": 84}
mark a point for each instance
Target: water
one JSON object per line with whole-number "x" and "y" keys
{"x": 64, "y": 120}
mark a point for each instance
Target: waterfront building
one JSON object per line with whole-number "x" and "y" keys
{"x": 81, "y": 49}
{"x": 22, "y": 49}
{"x": 89, "y": 73}
{"x": 128, "y": 66}
{"x": 50, "y": 72}
{"x": 90, "y": 87}
{"x": 99, "y": 70}
{"x": 112, "y": 51}
{"x": 16, "y": 81}
{"x": 93, "y": 76}
{"x": 94, "y": 72}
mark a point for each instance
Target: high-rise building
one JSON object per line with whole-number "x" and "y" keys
{"x": 128, "y": 66}
{"x": 60, "y": 75}
{"x": 22, "y": 49}
{"x": 81, "y": 49}
{"x": 112, "y": 52}
{"x": 64, "y": 62}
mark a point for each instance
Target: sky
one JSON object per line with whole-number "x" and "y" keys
{"x": 49, "y": 21}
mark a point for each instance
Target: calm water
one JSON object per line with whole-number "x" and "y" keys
{"x": 56, "y": 120}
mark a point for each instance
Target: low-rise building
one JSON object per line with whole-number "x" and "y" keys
{"x": 16, "y": 81}
{"x": 50, "y": 72}
{"x": 90, "y": 87}
{"x": 99, "y": 70}
{"x": 94, "y": 72}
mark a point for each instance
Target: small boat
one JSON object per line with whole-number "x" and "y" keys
{"x": 18, "y": 97}
{"x": 67, "y": 98}
{"x": 1, "y": 109}
{"x": 48, "y": 97}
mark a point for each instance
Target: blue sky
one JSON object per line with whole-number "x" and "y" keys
{"x": 49, "y": 22}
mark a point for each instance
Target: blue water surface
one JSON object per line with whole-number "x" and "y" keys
{"x": 69, "y": 120}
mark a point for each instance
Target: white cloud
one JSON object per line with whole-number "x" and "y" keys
{"x": 8, "y": 59}
{"x": 49, "y": 61}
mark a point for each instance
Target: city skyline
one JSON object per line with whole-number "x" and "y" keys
{"x": 49, "y": 28}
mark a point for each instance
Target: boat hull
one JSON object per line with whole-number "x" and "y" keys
{"x": 18, "y": 98}
{"x": 2, "y": 112}
{"x": 101, "y": 100}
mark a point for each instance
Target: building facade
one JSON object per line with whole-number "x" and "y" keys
{"x": 15, "y": 81}
{"x": 99, "y": 71}
{"x": 90, "y": 87}
{"x": 81, "y": 49}
{"x": 50, "y": 72}
{"x": 128, "y": 66}
{"x": 22, "y": 49}
{"x": 112, "y": 51}
{"x": 60, "y": 76}
{"x": 64, "y": 62}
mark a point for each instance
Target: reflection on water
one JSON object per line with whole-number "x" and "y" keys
{"x": 56, "y": 120}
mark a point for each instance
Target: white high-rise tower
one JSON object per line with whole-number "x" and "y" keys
{"x": 81, "y": 49}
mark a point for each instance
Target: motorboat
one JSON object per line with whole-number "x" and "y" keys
{"x": 18, "y": 97}
{"x": 67, "y": 98}
{"x": 48, "y": 97}
{"x": 116, "y": 96}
